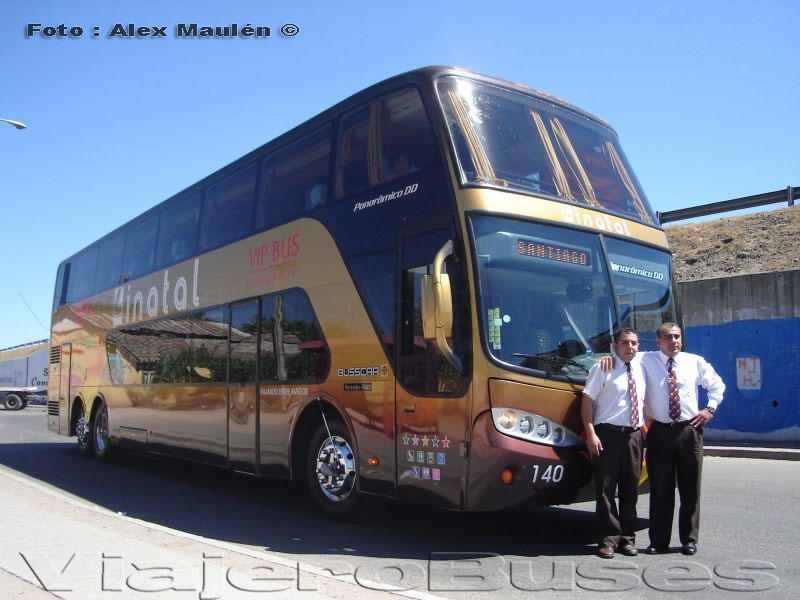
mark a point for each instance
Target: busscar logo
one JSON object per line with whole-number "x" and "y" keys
{"x": 358, "y": 371}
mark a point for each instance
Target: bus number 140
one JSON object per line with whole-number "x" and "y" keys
{"x": 553, "y": 473}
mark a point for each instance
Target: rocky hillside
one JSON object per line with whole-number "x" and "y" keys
{"x": 755, "y": 243}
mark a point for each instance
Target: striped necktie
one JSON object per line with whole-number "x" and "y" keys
{"x": 672, "y": 386}
{"x": 634, "y": 398}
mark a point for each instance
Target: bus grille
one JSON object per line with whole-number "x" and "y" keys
{"x": 52, "y": 407}
{"x": 55, "y": 356}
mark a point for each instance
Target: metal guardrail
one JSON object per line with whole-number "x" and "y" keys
{"x": 789, "y": 195}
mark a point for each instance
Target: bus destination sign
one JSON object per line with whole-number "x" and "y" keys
{"x": 547, "y": 251}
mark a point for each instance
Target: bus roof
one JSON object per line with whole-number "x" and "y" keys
{"x": 424, "y": 77}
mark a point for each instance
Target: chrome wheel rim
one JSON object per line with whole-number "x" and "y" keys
{"x": 101, "y": 431}
{"x": 82, "y": 432}
{"x": 336, "y": 468}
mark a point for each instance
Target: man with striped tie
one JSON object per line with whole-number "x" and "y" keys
{"x": 612, "y": 413}
{"x": 675, "y": 437}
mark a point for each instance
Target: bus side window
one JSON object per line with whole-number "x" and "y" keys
{"x": 140, "y": 249}
{"x": 294, "y": 180}
{"x": 81, "y": 281}
{"x": 228, "y": 209}
{"x": 154, "y": 352}
{"x": 243, "y": 342}
{"x": 407, "y": 143}
{"x": 292, "y": 346}
{"x": 109, "y": 263}
{"x": 177, "y": 236}
{"x": 209, "y": 345}
{"x": 62, "y": 278}
{"x": 376, "y": 276}
{"x": 383, "y": 140}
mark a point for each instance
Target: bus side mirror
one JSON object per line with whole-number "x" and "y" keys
{"x": 437, "y": 306}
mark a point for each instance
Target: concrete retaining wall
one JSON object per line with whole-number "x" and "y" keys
{"x": 748, "y": 327}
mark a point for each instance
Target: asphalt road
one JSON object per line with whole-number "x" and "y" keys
{"x": 750, "y": 528}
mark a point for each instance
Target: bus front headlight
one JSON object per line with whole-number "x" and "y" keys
{"x": 507, "y": 419}
{"x": 525, "y": 425}
{"x": 533, "y": 428}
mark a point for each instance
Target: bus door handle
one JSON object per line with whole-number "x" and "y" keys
{"x": 409, "y": 409}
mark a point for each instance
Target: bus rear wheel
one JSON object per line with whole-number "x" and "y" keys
{"x": 100, "y": 437}
{"x": 13, "y": 402}
{"x": 83, "y": 435}
{"x": 331, "y": 470}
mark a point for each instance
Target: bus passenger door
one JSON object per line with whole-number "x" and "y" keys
{"x": 431, "y": 402}
{"x": 243, "y": 426}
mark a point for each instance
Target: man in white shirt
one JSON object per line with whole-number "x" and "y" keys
{"x": 675, "y": 437}
{"x": 612, "y": 413}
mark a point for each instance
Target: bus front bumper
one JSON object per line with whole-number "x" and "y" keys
{"x": 535, "y": 474}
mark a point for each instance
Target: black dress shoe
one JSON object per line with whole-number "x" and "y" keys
{"x": 628, "y": 550}
{"x": 651, "y": 549}
{"x": 605, "y": 552}
{"x": 689, "y": 549}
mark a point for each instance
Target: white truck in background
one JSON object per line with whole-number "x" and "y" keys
{"x": 23, "y": 374}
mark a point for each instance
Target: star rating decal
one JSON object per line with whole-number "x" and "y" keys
{"x": 422, "y": 457}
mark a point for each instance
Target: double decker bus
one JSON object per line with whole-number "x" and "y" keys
{"x": 400, "y": 297}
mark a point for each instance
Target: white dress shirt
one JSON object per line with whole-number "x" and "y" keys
{"x": 691, "y": 371}
{"x": 609, "y": 393}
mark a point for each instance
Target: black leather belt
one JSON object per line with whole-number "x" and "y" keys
{"x": 620, "y": 428}
{"x": 674, "y": 424}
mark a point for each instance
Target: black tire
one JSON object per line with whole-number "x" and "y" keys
{"x": 83, "y": 432}
{"x": 13, "y": 402}
{"x": 332, "y": 471}
{"x": 100, "y": 438}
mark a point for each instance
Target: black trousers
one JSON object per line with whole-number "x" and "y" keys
{"x": 617, "y": 471}
{"x": 674, "y": 452}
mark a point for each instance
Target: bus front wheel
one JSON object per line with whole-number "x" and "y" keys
{"x": 331, "y": 470}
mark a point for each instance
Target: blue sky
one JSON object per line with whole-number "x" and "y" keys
{"x": 704, "y": 96}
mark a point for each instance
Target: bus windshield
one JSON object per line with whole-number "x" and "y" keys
{"x": 643, "y": 287}
{"x": 546, "y": 295}
{"x": 513, "y": 140}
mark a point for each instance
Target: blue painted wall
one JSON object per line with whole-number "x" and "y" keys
{"x": 776, "y": 343}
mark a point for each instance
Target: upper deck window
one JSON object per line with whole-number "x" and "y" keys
{"x": 228, "y": 210}
{"x": 383, "y": 140}
{"x": 109, "y": 263}
{"x": 140, "y": 249}
{"x": 177, "y": 238}
{"x": 295, "y": 179}
{"x": 513, "y": 140}
{"x": 81, "y": 278}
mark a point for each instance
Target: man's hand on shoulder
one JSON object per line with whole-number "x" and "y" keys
{"x": 606, "y": 363}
